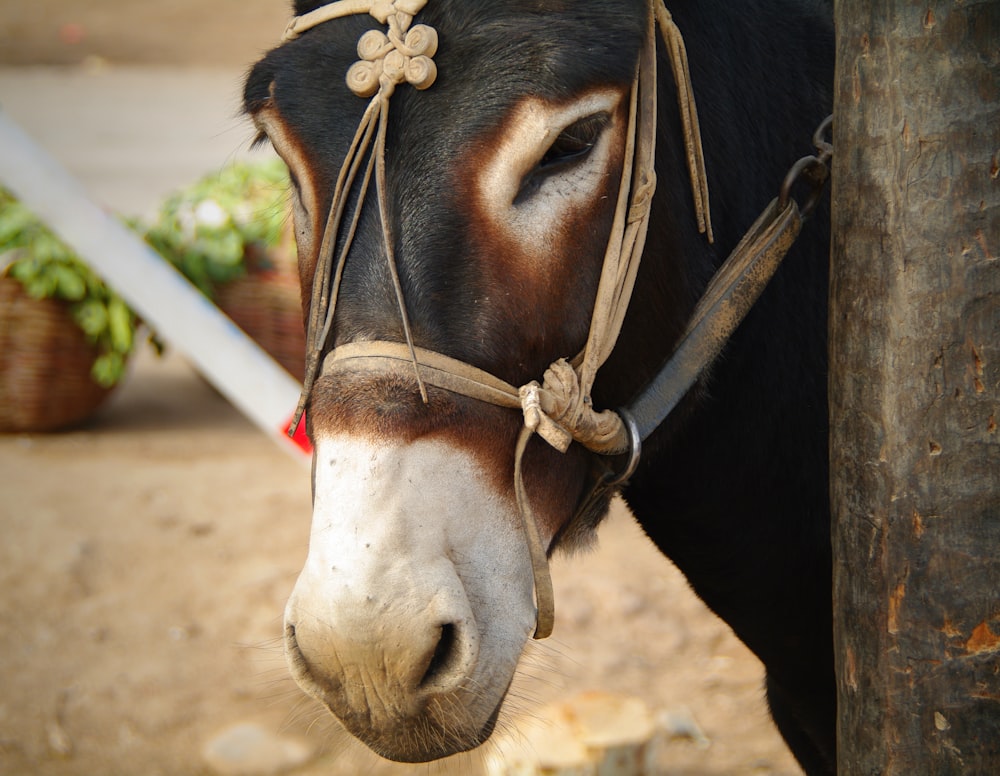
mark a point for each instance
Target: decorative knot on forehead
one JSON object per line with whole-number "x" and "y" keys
{"x": 388, "y": 59}
{"x": 403, "y": 54}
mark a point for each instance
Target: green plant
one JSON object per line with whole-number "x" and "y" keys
{"x": 207, "y": 229}
{"x": 47, "y": 268}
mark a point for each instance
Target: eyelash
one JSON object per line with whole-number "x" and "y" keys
{"x": 575, "y": 141}
{"x": 259, "y": 140}
{"x": 572, "y": 145}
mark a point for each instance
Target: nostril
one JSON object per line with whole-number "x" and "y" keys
{"x": 296, "y": 660}
{"x": 441, "y": 660}
{"x": 291, "y": 643}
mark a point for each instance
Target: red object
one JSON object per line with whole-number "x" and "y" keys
{"x": 72, "y": 33}
{"x": 300, "y": 437}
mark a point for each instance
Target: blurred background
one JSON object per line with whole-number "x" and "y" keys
{"x": 149, "y": 546}
{"x": 223, "y": 33}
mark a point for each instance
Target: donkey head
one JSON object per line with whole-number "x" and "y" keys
{"x": 480, "y": 235}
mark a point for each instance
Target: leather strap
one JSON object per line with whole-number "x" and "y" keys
{"x": 434, "y": 369}
{"x": 729, "y": 296}
{"x": 380, "y": 9}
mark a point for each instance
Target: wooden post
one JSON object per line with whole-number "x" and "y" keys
{"x": 915, "y": 386}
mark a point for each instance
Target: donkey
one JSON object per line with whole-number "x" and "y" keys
{"x": 459, "y": 209}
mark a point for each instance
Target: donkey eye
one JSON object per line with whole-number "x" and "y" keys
{"x": 571, "y": 147}
{"x": 575, "y": 142}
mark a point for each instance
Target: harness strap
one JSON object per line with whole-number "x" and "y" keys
{"x": 689, "y": 117}
{"x": 545, "y": 599}
{"x": 434, "y": 369}
{"x": 728, "y": 298}
{"x": 379, "y": 9}
{"x": 401, "y": 56}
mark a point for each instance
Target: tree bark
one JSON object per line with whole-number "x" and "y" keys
{"x": 915, "y": 386}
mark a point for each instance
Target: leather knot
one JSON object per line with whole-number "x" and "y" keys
{"x": 401, "y": 55}
{"x": 383, "y": 9}
{"x": 559, "y": 412}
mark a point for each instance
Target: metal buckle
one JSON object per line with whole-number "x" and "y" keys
{"x": 634, "y": 453}
{"x": 814, "y": 168}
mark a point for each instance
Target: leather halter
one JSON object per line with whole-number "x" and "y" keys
{"x": 560, "y": 409}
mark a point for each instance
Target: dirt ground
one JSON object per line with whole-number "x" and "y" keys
{"x": 146, "y": 557}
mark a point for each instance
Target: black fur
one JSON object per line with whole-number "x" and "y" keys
{"x": 733, "y": 487}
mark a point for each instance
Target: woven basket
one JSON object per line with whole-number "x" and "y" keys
{"x": 266, "y": 305}
{"x": 45, "y": 362}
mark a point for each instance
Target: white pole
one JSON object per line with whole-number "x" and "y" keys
{"x": 164, "y": 298}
